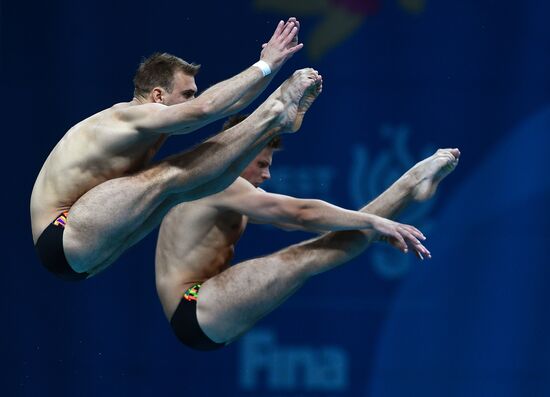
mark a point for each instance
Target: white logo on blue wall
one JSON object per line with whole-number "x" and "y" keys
{"x": 265, "y": 364}
{"x": 371, "y": 175}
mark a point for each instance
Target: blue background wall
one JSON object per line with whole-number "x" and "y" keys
{"x": 401, "y": 78}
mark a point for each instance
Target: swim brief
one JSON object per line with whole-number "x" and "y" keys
{"x": 50, "y": 250}
{"x": 186, "y": 326}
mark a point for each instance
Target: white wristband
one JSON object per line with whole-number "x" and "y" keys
{"x": 264, "y": 67}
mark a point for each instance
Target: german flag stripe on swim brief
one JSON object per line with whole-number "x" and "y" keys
{"x": 192, "y": 294}
{"x": 61, "y": 220}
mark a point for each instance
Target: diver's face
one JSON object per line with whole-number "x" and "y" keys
{"x": 257, "y": 171}
{"x": 183, "y": 89}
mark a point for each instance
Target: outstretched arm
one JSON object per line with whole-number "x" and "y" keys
{"x": 306, "y": 214}
{"x": 224, "y": 98}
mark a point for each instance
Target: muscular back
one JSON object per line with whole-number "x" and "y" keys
{"x": 101, "y": 147}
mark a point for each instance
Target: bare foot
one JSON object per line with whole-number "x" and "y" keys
{"x": 426, "y": 175}
{"x": 310, "y": 95}
{"x": 297, "y": 94}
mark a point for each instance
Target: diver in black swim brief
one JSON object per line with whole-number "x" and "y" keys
{"x": 49, "y": 247}
{"x": 185, "y": 325}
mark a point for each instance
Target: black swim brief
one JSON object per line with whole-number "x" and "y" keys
{"x": 50, "y": 250}
{"x": 186, "y": 326}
